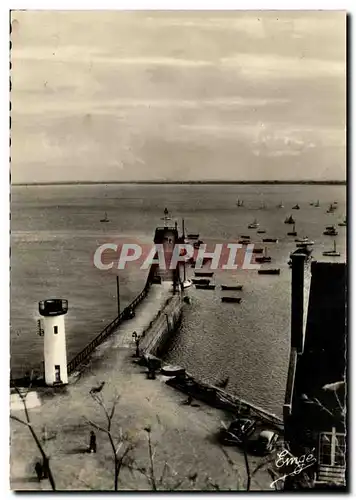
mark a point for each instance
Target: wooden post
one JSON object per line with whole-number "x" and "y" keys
{"x": 118, "y": 295}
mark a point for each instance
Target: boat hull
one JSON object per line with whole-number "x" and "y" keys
{"x": 235, "y": 300}
{"x": 269, "y": 271}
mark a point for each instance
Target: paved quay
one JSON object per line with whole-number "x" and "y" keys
{"x": 184, "y": 436}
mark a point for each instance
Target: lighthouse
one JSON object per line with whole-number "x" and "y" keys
{"x": 55, "y": 349}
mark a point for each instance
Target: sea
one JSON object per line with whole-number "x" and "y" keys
{"x": 56, "y": 229}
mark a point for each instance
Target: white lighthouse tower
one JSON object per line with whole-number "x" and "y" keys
{"x": 55, "y": 350}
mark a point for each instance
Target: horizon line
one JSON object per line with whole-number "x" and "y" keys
{"x": 206, "y": 182}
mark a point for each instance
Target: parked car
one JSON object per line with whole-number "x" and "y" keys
{"x": 266, "y": 442}
{"x": 239, "y": 430}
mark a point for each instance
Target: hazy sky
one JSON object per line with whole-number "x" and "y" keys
{"x": 178, "y": 95}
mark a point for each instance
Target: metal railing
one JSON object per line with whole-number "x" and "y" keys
{"x": 82, "y": 355}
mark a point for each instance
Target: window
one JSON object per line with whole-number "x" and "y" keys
{"x": 55, "y": 329}
{"x": 332, "y": 448}
{"x": 57, "y": 373}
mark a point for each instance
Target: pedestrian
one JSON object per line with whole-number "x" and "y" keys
{"x": 92, "y": 444}
{"x": 39, "y": 471}
{"x": 137, "y": 341}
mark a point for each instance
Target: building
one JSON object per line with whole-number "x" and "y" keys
{"x": 315, "y": 401}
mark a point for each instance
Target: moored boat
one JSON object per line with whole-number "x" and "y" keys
{"x": 331, "y": 209}
{"x": 330, "y": 231}
{"x": 343, "y": 223}
{"x": 105, "y": 218}
{"x": 263, "y": 258}
{"x": 305, "y": 243}
{"x": 270, "y": 240}
{"x": 289, "y": 220}
{"x": 332, "y": 253}
{"x": 261, "y": 231}
{"x": 205, "y": 287}
{"x": 305, "y": 239}
{"x": 292, "y": 233}
{"x": 253, "y": 225}
{"x": 269, "y": 271}
{"x": 193, "y": 236}
{"x": 231, "y": 287}
{"x": 296, "y": 207}
{"x": 236, "y": 300}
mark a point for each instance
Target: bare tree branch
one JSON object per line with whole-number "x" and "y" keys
{"x": 118, "y": 461}
{"x": 33, "y": 433}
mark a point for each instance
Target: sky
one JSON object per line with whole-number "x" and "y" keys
{"x": 178, "y": 95}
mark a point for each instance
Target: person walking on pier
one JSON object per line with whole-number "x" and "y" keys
{"x": 92, "y": 444}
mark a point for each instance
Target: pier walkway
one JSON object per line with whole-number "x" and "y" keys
{"x": 145, "y": 313}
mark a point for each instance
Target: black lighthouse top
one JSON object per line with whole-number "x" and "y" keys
{"x": 53, "y": 307}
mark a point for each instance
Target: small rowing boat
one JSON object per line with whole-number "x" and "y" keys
{"x": 236, "y": 300}
{"x": 270, "y": 240}
{"x": 205, "y": 287}
{"x": 269, "y": 271}
{"x": 231, "y": 287}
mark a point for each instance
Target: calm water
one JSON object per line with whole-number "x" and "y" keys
{"x": 56, "y": 229}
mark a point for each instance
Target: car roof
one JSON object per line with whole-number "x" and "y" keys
{"x": 267, "y": 434}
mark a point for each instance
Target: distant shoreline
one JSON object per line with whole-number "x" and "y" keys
{"x": 260, "y": 182}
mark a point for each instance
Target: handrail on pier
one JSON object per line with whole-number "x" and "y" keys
{"x": 72, "y": 365}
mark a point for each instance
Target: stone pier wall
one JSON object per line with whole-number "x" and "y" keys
{"x": 157, "y": 335}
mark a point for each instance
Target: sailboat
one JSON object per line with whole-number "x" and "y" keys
{"x": 166, "y": 215}
{"x": 240, "y": 203}
{"x": 289, "y": 220}
{"x": 296, "y": 207}
{"x": 317, "y": 204}
{"x": 253, "y": 225}
{"x": 332, "y": 253}
{"x": 331, "y": 209}
{"x": 343, "y": 223}
{"x": 280, "y": 205}
{"x": 105, "y": 218}
{"x": 292, "y": 233}
{"x": 263, "y": 258}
